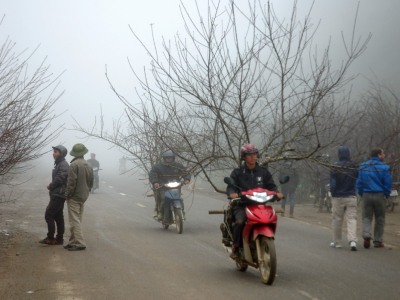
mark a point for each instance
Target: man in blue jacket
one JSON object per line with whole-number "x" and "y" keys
{"x": 344, "y": 202}
{"x": 374, "y": 184}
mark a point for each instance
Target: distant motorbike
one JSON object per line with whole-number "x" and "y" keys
{"x": 173, "y": 210}
{"x": 326, "y": 200}
{"x": 392, "y": 200}
{"x": 258, "y": 234}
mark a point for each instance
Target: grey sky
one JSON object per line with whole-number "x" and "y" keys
{"x": 83, "y": 36}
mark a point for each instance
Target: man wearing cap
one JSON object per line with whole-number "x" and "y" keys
{"x": 54, "y": 211}
{"x": 80, "y": 182}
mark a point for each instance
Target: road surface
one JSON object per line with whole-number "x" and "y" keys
{"x": 129, "y": 255}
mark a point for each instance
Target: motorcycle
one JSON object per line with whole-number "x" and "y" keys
{"x": 258, "y": 234}
{"x": 173, "y": 210}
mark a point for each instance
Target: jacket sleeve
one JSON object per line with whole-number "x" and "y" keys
{"x": 269, "y": 182}
{"x": 333, "y": 181}
{"x": 359, "y": 183}
{"x": 184, "y": 173}
{"x": 153, "y": 175}
{"x": 230, "y": 188}
{"x": 60, "y": 178}
{"x": 387, "y": 182}
{"x": 71, "y": 183}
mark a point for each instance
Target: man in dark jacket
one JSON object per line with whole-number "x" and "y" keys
{"x": 289, "y": 188}
{"x": 344, "y": 202}
{"x": 54, "y": 211}
{"x": 162, "y": 173}
{"x": 374, "y": 183}
{"x": 249, "y": 175}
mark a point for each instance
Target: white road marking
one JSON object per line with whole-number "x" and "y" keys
{"x": 140, "y": 205}
{"x": 110, "y": 186}
{"x": 308, "y": 295}
{"x": 122, "y": 194}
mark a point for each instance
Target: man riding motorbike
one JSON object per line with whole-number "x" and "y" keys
{"x": 162, "y": 173}
{"x": 96, "y": 167}
{"x": 249, "y": 175}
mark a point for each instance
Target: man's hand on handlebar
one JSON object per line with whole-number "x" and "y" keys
{"x": 156, "y": 186}
{"x": 186, "y": 181}
{"x": 234, "y": 195}
{"x": 279, "y": 196}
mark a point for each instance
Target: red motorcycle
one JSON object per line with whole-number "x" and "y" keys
{"x": 258, "y": 234}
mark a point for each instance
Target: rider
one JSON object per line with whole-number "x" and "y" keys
{"x": 249, "y": 175}
{"x": 162, "y": 173}
{"x": 95, "y": 165}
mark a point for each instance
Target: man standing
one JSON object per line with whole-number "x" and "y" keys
{"x": 374, "y": 184}
{"x": 96, "y": 167}
{"x": 80, "y": 182}
{"x": 249, "y": 175}
{"x": 344, "y": 202}
{"x": 54, "y": 211}
{"x": 289, "y": 188}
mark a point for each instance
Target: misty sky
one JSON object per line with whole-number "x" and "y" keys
{"x": 81, "y": 37}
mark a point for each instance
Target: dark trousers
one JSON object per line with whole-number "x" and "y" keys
{"x": 373, "y": 206}
{"x": 239, "y": 218}
{"x": 54, "y": 216}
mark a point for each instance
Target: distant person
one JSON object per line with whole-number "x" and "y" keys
{"x": 122, "y": 165}
{"x": 96, "y": 167}
{"x": 288, "y": 189}
{"x": 374, "y": 183}
{"x": 344, "y": 202}
{"x": 162, "y": 173}
{"x": 55, "y": 209}
{"x": 80, "y": 181}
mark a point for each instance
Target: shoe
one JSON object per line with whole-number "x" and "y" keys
{"x": 48, "y": 241}
{"x": 234, "y": 253}
{"x": 367, "y": 243}
{"x": 68, "y": 246}
{"x": 60, "y": 241}
{"x": 76, "y": 248}
{"x": 379, "y": 245}
{"x": 335, "y": 245}
{"x": 353, "y": 246}
{"x": 155, "y": 214}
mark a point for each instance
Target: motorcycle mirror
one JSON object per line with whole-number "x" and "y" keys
{"x": 284, "y": 179}
{"x": 229, "y": 181}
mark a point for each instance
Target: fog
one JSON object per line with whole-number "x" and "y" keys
{"x": 82, "y": 37}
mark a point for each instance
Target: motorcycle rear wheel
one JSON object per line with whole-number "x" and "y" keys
{"x": 267, "y": 263}
{"x": 178, "y": 220}
{"x": 165, "y": 226}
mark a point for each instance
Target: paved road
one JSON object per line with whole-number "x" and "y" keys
{"x": 129, "y": 256}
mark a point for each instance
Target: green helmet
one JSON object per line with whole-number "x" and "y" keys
{"x": 79, "y": 150}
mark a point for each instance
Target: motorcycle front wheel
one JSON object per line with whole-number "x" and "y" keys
{"x": 178, "y": 220}
{"x": 267, "y": 263}
{"x": 241, "y": 266}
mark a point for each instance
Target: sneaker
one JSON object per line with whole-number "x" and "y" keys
{"x": 335, "y": 245}
{"x": 378, "y": 245}
{"x": 367, "y": 243}
{"x": 76, "y": 248}
{"x": 48, "y": 241}
{"x": 353, "y": 246}
{"x": 234, "y": 253}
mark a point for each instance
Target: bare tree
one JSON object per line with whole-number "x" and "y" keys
{"x": 26, "y": 101}
{"x": 240, "y": 74}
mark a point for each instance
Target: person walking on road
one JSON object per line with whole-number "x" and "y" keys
{"x": 344, "y": 202}
{"x": 80, "y": 182}
{"x": 54, "y": 214}
{"x": 289, "y": 188}
{"x": 374, "y": 183}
